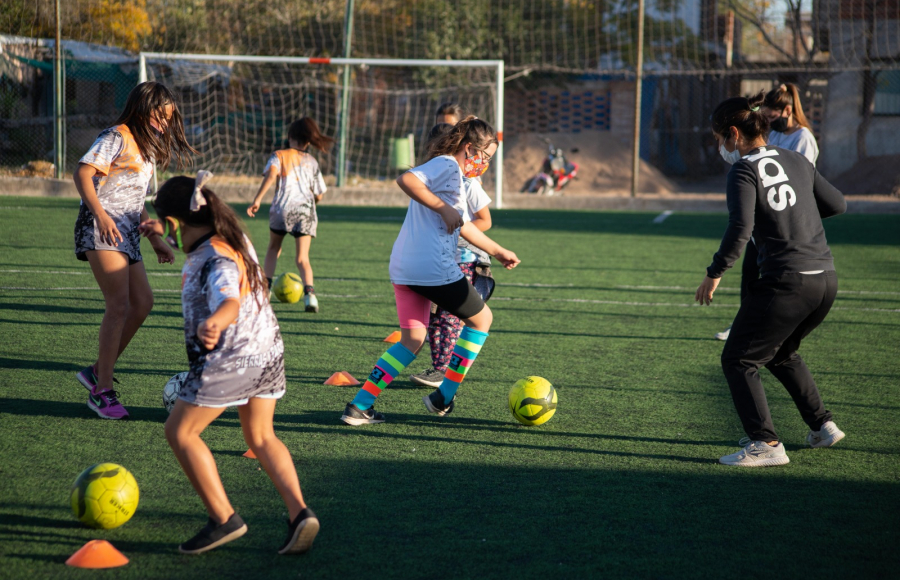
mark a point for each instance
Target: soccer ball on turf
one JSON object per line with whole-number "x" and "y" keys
{"x": 288, "y": 288}
{"x": 172, "y": 390}
{"x": 104, "y": 496}
{"x": 532, "y": 400}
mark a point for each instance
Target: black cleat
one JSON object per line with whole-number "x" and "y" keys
{"x": 353, "y": 416}
{"x": 434, "y": 402}
{"x": 214, "y": 535}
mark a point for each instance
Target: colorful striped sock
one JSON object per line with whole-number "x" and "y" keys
{"x": 467, "y": 348}
{"x": 391, "y": 364}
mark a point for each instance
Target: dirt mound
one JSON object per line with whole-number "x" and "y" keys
{"x": 873, "y": 175}
{"x": 604, "y": 163}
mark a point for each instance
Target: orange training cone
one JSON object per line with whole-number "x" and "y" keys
{"x": 97, "y": 554}
{"x": 250, "y": 454}
{"x": 341, "y": 379}
{"x": 393, "y": 337}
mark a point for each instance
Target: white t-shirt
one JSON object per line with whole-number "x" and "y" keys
{"x": 425, "y": 253}
{"x": 801, "y": 141}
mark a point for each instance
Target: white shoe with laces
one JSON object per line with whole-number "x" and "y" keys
{"x": 756, "y": 454}
{"x": 827, "y": 436}
{"x": 311, "y": 303}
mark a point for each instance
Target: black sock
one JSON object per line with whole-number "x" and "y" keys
{"x": 308, "y": 289}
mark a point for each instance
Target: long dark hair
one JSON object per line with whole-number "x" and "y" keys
{"x": 174, "y": 200}
{"x": 470, "y": 130}
{"x": 146, "y": 103}
{"x": 743, "y": 113}
{"x": 787, "y": 94}
{"x": 434, "y": 134}
{"x": 307, "y": 131}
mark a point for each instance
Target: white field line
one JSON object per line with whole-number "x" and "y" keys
{"x": 687, "y": 288}
{"x": 511, "y": 284}
{"x": 496, "y": 299}
{"x": 662, "y": 217}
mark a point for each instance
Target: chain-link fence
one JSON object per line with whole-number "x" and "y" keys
{"x": 570, "y": 65}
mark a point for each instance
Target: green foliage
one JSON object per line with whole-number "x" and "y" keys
{"x": 621, "y": 483}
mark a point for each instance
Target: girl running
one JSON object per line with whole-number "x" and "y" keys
{"x": 444, "y": 327}
{"x": 113, "y": 179}
{"x": 236, "y": 359}
{"x": 300, "y": 187}
{"x": 777, "y": 196}
{"x": 424, "y": 269}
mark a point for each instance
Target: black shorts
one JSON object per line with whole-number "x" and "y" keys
{"x": 285, "y": 232}
{"x": 458, "y": 298}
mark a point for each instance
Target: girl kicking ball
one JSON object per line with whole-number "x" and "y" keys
{"x": 236, "y": 359}
{"x": 424, "y": 268}
{"x": 113, "y": 179}
{"x": 300, "y": 187}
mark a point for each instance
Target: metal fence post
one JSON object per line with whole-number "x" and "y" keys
{"x": 341, "y": 173}
{"x": 638, "y": 80}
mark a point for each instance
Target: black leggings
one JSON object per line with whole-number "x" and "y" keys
{"x": 778, "y": 312}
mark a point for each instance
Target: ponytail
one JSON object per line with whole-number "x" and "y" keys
{"x": 742, "y": 113}
{"x": 307, "y": 131}
{"x": 782, "y": 96}
{"x": 470, "y": 130}
{"x": 174, "y": 200}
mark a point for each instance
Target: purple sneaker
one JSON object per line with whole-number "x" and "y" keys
{"x": 88, "y": 378}
{"x": 107, "y": 405}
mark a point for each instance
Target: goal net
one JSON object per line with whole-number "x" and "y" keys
{"x": 237, "y": 109}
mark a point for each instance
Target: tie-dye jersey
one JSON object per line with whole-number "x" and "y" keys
{"x": 299, "y": 182}
{"x": 249, "y": 358}
{"x": 122, "y": 182}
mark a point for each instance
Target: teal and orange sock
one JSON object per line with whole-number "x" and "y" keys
{"x": 467, "y": 348}
{"x": 391, "y": 364}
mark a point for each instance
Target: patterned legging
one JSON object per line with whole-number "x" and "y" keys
{"x": 444, "y": 328}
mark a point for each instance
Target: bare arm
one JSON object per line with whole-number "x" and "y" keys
{"x": 474, "y": 236}
{"x": 482, "y": 219}
{"x": 415, "y": 189}
{"x": 268, "y": 181}
{"x": 84, "y": 183}
{"x": 210, "y": 330}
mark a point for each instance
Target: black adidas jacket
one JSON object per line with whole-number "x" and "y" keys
{"x": 777, "y": 196}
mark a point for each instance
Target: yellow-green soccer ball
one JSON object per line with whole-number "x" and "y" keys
{"x": 288, "y": 288}
{"x": 104, "y": 496}
{"x": 532, "y": 401}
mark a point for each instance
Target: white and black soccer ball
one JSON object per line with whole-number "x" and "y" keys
{"x": 172, "y": 390}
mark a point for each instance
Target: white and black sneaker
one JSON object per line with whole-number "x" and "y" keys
{"x": 434, "y": 402}
{"x": 301, "y": 533}
{"x": 429, "y": 378}
{"x": 826, "y": 436}
{"x": 756, "y": 454}
{"x": 353, "y": 416}
{"x": 214, "y": 535}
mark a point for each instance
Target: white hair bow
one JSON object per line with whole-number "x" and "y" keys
{"x": 198, "y": 200}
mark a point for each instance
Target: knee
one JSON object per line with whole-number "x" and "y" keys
{"x": 258, "y": 438}
{"x": 141, "y": 307}
{"x": 118, "y": 308}
{"x": 173, "y": 435}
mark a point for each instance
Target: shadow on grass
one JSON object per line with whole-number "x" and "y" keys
{"x": 67, "y": 410}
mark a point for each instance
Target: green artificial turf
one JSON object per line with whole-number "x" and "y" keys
{"x": 621, "y": 483}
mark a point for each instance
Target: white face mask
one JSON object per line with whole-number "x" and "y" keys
{"x": 730, "y": 157}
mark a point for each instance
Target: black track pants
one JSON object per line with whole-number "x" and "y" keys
{"x": 778, "y": 312}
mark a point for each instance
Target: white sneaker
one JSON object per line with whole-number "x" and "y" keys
{"x": 827, "y": 436}
{"x": 724, "y": 334}
{"x": 756, "y": 454}
{"x": 311, "y": 302}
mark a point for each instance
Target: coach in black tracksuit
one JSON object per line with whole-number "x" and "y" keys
{"x": 777, "y": 197}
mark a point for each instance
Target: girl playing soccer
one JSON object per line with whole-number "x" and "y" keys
{"x": 443, "y": 327}
{"x": 300, "y": 188}
{"x": 236, "y": 359}
{"x": 423, "y": 267}
{"x": 113, "y": 179}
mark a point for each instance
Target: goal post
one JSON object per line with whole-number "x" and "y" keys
{"x": 496, "y": 65}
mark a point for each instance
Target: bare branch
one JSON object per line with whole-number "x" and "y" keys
{"x": 759, "y": 24}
